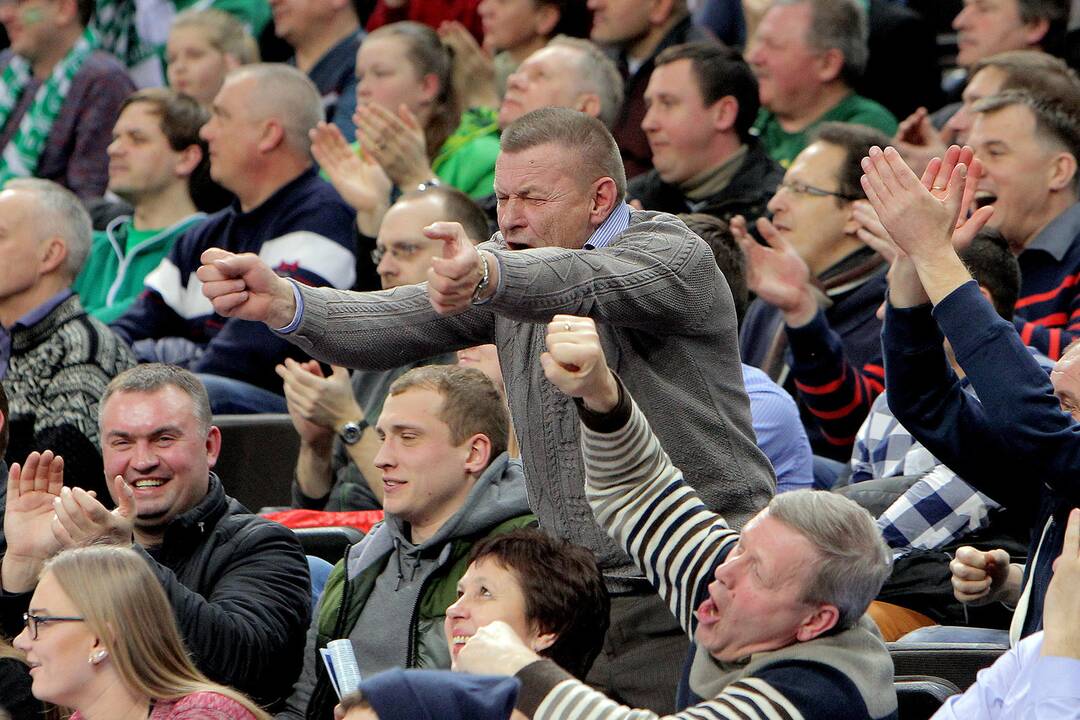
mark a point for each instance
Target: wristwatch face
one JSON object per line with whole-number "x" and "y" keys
{"x": 350, "y": 434}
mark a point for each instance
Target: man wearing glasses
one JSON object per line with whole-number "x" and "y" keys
{"x": 335, "y": 419}
{"x": 813, "y": 327}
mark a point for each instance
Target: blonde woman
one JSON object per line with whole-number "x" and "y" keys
{"x": 203, "y": 46}
{"x": 100, "y": 639}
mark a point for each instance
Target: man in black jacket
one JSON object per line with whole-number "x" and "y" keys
{"x": 702, "y": 99}
{"x": 238, "y": 583}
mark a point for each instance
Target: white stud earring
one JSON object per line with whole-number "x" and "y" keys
{"x": 99, "y": 656}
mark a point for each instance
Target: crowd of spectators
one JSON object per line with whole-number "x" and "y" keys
{"x": 688, "y": 350}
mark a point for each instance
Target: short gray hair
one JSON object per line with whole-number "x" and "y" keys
{"x": 597, "y": 74}
{"x": 586, "y": 136}
{"x": 854, "y": 560}
{"x": 288, "y": 95}
{"x": 839, "y": 24}
{"x": 61, "y": 215}
{"x": 151, "y": 377}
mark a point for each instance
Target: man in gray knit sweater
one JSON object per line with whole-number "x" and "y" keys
{"x": 568, "y": 243}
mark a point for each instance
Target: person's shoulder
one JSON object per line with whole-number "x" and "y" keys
{"x": 817, "y": 690}
{"x": 313, "y": 193}
{"x": 856, "y": 108}
{"x": 101, "y": 66}
{"x": 207, "y": 705}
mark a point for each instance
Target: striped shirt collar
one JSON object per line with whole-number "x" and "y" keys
{"x": 611, "y": 228}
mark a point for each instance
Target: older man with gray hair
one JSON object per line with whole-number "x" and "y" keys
{"x": 55, "y": 360}
{"x": 568, "y": 242}
{"x": 284, "y": 212}
{"x": 807, "y": 55}
{"x": 780, "y": 628}
{"x": 567, "y": 72}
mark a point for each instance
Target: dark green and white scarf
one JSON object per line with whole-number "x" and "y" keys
{"x": 114, "y": 23}
{"x": 20, "y": 157}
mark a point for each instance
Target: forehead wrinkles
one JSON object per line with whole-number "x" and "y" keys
{"x": 545, "y": 167}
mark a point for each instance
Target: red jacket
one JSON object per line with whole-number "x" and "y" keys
{"x": 429, "y": 12}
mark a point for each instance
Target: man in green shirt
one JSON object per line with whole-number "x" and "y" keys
{"x": 154, "y": 153}
{"x": 806, "y": 55}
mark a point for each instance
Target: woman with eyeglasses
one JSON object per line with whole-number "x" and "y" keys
{"x": 100, "y": 639}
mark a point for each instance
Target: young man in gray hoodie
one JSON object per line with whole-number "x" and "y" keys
{"x": 447, "y": 483}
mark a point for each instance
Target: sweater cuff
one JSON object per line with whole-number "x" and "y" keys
{"x": 910, "y": 330}
{"x": 614, "y": 419}
{"x": 538, "y": 679}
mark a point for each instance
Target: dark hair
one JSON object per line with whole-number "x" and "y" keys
{"x": 1057, "y": 118}
{"x": 457, "y": 207}
{"x": 5, "y": 422}
{"x": 583, "y": 135}
{"x": 1056, "y": 13}
{"x": 720, "y": 71}
{"x": 855, "y": 141}
{"x": 181, "y": 116}
{"x": 471, "y": 402}
{"x": 563, "y": 588}
{"x": 152, "y": 377}
{"x": 428, "y": 56}
{"x": 729, "y": 256}
{"x": 995, "y": 268}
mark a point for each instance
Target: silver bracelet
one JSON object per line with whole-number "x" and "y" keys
{"x": 482, "y": 285}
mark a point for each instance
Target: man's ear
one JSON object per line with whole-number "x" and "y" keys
{"x": 53, "y": 254}
{"x": 588, "y": 103}
{"x": 604, "y": 199}
{"x": 189, "y": 159}
{"x": 829, "y": 65}
{"x": 273, "y": 135}
{"x": 549, "y": 18}
{"x": 479, "y": 456}
{"x": 724, "y": 113}
{"x": 661, "y": 11}
{"x": 821, "y": 620}
{"x": 1062, "y": 172}
{"x": 213, "y": 446}
{"x": 67, "y": 11}
{"x": 1035, "y": 31}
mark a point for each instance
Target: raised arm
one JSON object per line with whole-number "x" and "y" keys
{"x": 636, "y": 494}
{"x": 656, "y": 275}
{"x": 373, "y": 330}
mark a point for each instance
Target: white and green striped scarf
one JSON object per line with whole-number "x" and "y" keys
{"x": 20, "y": 157}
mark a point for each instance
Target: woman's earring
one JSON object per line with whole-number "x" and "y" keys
{"x": 97, "y": 657}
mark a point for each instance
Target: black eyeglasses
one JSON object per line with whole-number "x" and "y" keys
{"x": 801, "y": 188}
{"x": 33, "y": 622}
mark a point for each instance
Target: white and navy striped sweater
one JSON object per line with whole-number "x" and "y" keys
{"x": 640, "y": 498}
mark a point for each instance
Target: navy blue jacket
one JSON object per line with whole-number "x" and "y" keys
{"x": 173, "y": 306}
{"x": 1013, "y": 443}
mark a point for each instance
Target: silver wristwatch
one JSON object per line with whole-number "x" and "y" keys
{"x": 352, "y": 431}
